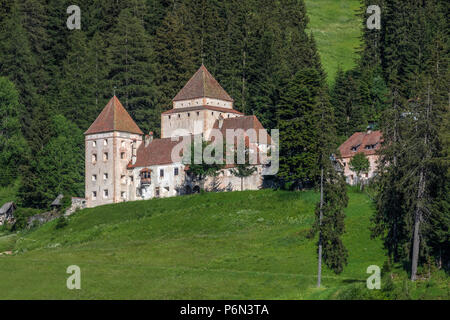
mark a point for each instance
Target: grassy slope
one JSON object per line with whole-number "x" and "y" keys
{"x": 336, "y": 29}
{"x": 214, "y": 246}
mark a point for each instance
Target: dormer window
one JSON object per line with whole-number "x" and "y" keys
{"x": 355, "y": 148}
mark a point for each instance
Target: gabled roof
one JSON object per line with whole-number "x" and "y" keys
{"x": 157, "y": 152}
{"x": 358, "y": 141}
{"x": 202, "y": 85}
{"x": 6, "y": 207}
{"x": 114, "y": 117}
{"x": 57, "y": 201}
{"x": 244, "y": 123}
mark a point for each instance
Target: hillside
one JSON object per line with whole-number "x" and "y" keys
{"x": 237, "y": 245}
{"x": 211, "y": 246}
{"x": 336, "y": 29}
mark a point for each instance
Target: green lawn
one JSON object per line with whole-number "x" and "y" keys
{"x": 336, "y": 29}
{"x": 238, "y": 245}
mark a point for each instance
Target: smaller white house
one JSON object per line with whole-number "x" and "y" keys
{"x": 366, "y": 142}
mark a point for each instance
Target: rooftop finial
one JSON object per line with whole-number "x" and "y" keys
{"x": 115, "y": 90}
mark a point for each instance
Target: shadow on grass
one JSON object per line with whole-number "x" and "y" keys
{"x": 348, "y": 281}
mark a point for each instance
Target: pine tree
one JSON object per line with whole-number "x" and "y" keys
{"x": 13, "y": 147}
{"x": 132, "y": 69}
{"x": 57, "y": 169}
{"x": 329, "y": 222}
{"x": 297, "y": 116}
{"x": 17, "y": 61}
{"x": 175, "y": 55}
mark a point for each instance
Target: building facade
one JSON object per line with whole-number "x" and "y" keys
{"x": 366, "y": 142}
{"x": 124, "y": 165}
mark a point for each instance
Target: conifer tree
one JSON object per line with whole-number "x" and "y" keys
{"x": 175, "y": 55}
{"x": 329, "y": 222}
{"x": 13, "y": 147}
{"x": 297, "y": 116}
{"x": 131, "y": 63}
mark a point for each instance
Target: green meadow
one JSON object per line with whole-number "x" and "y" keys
{"x": 235, "y": 245}
{"x": 337, "y": 29}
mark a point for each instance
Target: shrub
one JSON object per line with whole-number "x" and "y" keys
{"x": 61, "y": 223}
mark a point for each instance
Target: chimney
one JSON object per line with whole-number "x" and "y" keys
{"x": 369, "y": 129}
{"x": 148, "y": 138}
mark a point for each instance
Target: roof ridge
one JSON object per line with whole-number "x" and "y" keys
{"x": 202, "y": 84}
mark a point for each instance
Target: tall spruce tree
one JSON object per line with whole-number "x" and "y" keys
{"x": 131, "y": 61}
{"x": 329, "y": 222}
{"x": 13, "y": 147}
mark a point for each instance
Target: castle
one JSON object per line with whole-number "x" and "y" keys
{"x": 121, "y": 164}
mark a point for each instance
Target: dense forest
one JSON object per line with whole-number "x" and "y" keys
{"x": 55, "y": 81}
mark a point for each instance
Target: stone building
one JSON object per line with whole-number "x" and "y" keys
{"x": 122, "y": 164}
{"x": 7, "y": 213}
{"x": 366, "y": 142}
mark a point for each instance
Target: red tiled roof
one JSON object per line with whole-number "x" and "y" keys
{"x": 202, "y": 85}
{"x": 157, "y": 152}
{"x": 244, "y": 123}
{"x": 361, "y": 140}
{"x": 114, "y": 117}
{"x": 196, "y": 108}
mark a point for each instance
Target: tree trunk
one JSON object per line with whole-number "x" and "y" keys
{"x": 319, "y": 265}
{"x": 417, "y": 220}
{"x": 419, "y": 205}
{"x": 242, "y": 183}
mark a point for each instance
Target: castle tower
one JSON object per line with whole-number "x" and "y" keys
{"x": 197, "y": 106}
{"x": 110, "y": 145}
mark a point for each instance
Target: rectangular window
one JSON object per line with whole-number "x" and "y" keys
{"x": 161, "y": 173}
{"x": 175, "y": 171}
{"x": 122, "y": 155}
{"x": 105, "y": 193}
{"x": 123, "y": 195}
{"x": 131, "y": 178}
{"x": 94, "y": 177}
{"x": 198, "y": 113}
{"x": 105, "y": 142}
{"x": 94, "y": 144}
{"x": 122, "y": 179}
{"x": 94, "y": 158}
{"x": 105, "y": 156}
{"x": 157, "y": 191}
{"x": 94, "y": 195}
{"x": 105, "y": 176}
